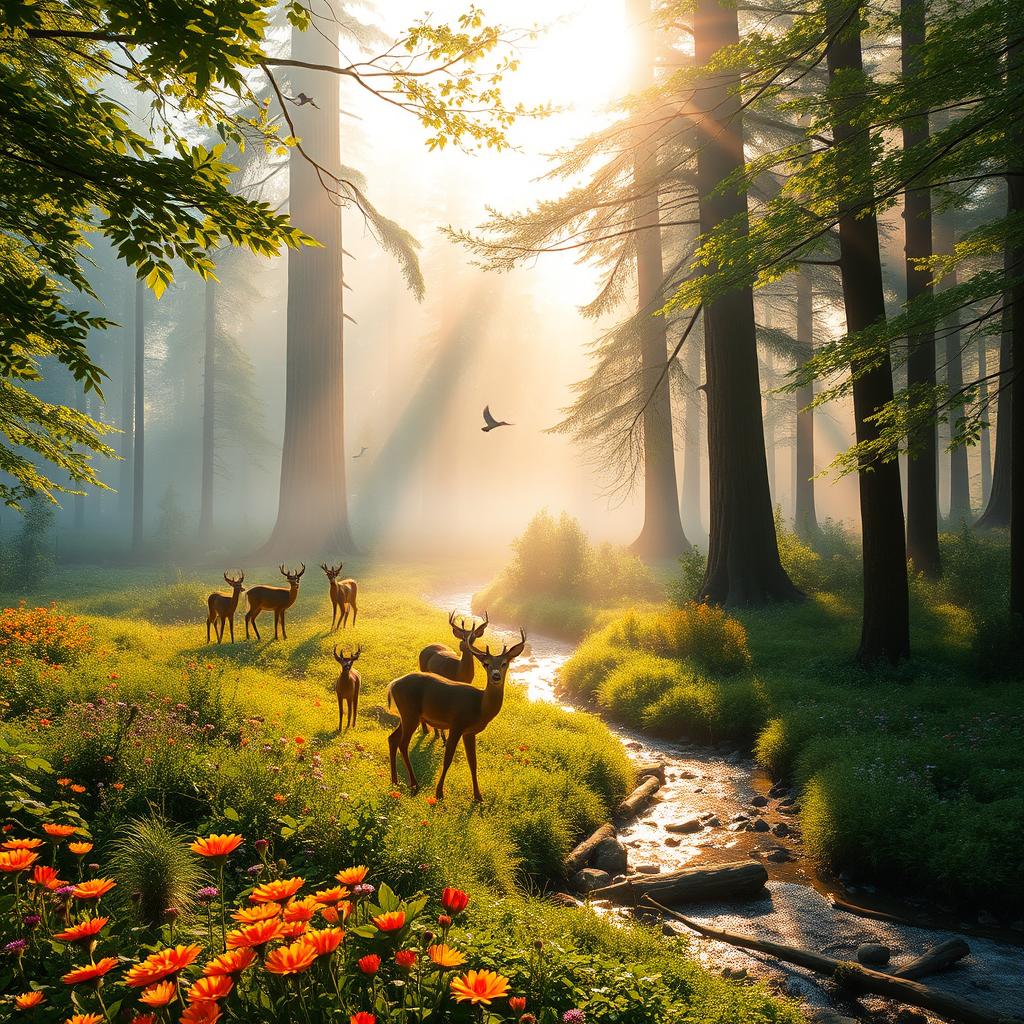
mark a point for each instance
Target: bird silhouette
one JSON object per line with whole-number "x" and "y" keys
{"x": 490, "y": 422}
{"x": 301, "y": 100}
{"x": 362, "y": 453}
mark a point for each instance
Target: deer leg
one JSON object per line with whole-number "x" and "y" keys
{"x": 449, "y": 753}
{"x": 207, "y": 629}
{"x": 231, "y": 623}
{"x": 393, "y": 750}
{"x": 469, "y": 742}
{"x": 340, "y": 711}
{"x": 255, "y": 628}
{"x": 355, "y": 612}
{"x": 355, "y": 705}
{"x": 403, "y": 747}
{"x": 284, "y": 632}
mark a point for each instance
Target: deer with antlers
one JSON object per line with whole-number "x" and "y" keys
{"x": 461, "y": 709}
{"x": 275, "y": 599}
{"x": 347, "y": 686}
{"x": 343, "y": 595}
{"x": 443, "y": 661}
{"x": 221, "y": 607}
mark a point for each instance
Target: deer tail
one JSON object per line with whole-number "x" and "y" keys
{"x": 390, "y": 685}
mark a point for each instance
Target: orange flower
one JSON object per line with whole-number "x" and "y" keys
{"x": 261, "y": 912}
{"x": 13, "y": 861}
{"x": 160, "y": 994}
{"x": 83, "y": 933}
{"x": 295, "y": 958}
{"x": 362, "y": 1017}
{"x": 117, "y": 785}
{"x": 331, "y": 915}
{"x": 276, "y": 891}
{"x": 63, "y": 782}
{"x": 85, "y": 1018}
{"x": 445, "y": 956}
{"x": 293, "y": 929}
{"x": 204, "y": 1011}
{"x": 231, "y": 963}
{"x": 369, "y": 964}
{"x": 255, "y": 935}
{"x": 406, "y": 959}
{"x": 479, "y": 987}
{"x": 44, "y": 875}
{"x": 22, "y": 844}
{"x": 214, "y": 988}
{"x": 29, "y": 1000}
{"x": 59, "y": 831}
{"x": 454, "y": 900}
{"x": 517, "y": 1003}
{"x": 324, "y": 940}
{"x": 80, "y": 849}
{"x": 300, "y": 910}
{"x": 94, "y": 888}
{"x": 392, "y": 921}
{"x": 76, "y": 788}
{"x": 144, "y": 1018}
{"x": 90, "y": 972}
{"x": 160, "y": 965}
{"x": 327, "y": 896}
{"x": 352, "y": 876}
{"x": 217, "y": 845}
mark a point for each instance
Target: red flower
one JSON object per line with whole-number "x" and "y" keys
{"x": 406, "y": 959}
{"x": 362, "y": 1017}
{"x": 454, "y": 900}
{"x": 90, "y": 972}
{"x": 369, "y": 964}
{"x": 392, "y": 921}
{"x": 517, "y": 1003}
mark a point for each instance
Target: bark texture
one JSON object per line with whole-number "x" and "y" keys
{"x": 209, "y": 401}
{"x": 804, "y": 514}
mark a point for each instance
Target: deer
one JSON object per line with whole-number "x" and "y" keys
{"x": 347, "y": 686}
{"x": 343, "y": 596}
{"x": 443, "y": 661}
{"x": 275, "y": 599}
{"x": 222, "y": 607}
{"x": 460, "y": 708}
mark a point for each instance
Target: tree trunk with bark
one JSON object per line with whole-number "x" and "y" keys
{"x": 139, "y": 405}
{"x": 805, "y": 517}
{"x": 743, "y": 554}
{"x": 985, "y": 444}
{"x": 662, "y": 534}
{"x": 209, "y": 401}
{"x": 313, "y": 503}
{"x": 1015, "y": 202}
{"x": 885, "y": 629}
{"x": 127, "y": 418}
{"x": 922, "y": 462}
{"x": 690, "y": 498}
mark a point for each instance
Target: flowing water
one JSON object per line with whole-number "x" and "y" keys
{"x": 740, "y": 815}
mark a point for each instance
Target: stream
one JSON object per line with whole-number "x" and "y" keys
{"x": 741, "y": 815}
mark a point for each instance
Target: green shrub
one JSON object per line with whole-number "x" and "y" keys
{"x": 183, "y": 601}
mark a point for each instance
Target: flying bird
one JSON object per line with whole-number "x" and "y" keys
{"x": 490, "y": 422}
{"x": 301, "y": 100}
{"x": 362, "y": 453}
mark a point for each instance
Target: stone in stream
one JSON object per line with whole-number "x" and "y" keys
{"x": 564, "y": 899}
{"x": 760, "y": 825}
{"x": 873, "y": 954}
{"x": 687, "y": 774}
{"x": 712, "y": 821}
{"x": 740, "y": 816}
{"x": 647, "y": 869}
{"x": 634, "y": 745}
{"x": 590, "y": 878}
{"x": 781, "y": 830}
{"x": 610, "y": 856}
{"x": 759, "y": 801}
{"x": 684, "y": 827}
{"x": 673, "y": 841}
{"x": 778, "y": 790}
{"x": 778, "y": 855}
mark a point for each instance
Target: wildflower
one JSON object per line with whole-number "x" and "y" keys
{"x": 31, "y": 920}
{"x": 212, "y": 988}
{"x": 45, "y": 876}
{"x": 254, "y": 869}
{"x": 63, "y": 782}
{"x": 299, "y": 740}
{"x": 22, "y": 844}
{"x": 432, "y": 800}
{"x": 80, "y": 849}
{"x": 369, "y": 964}
{"x": 144, "y": 1018}
{"x": 77, "y": 788}
{"x": 573, "y": 1016}
{"x": 280, "y": 797}
{"x": 295, "y": 958}
{"x": 392, "y": 921}
{"x": 363, "y": 889}
{"x": 160, "y": 994}
{"x": 230, "y": 964}
{"x": 160, "y": 965}
{"x": 352, "y": 876}
{"x": 117, "y": 785}
{"x": 203, "y": 1011}
{"x": 406, "y": 959}
{"x": 207, "y": 894}
{"x": 324, "y": 940}
{"x": 261, "y": 912}
{"x": 83, "y": 933}
{"x": 528, "y": 1018}
{"x": 216, "y": 847}
{"x": 395, "y": 795}
{"x": 277, "y": 890}
{"x": 29, "y": 1000}
{"x": 85, "y": 1018}
{"x": 517, "y": 1003}
{"x": 254, "y": 935}
{"x": 444, "y": 921}
{"x": 479, "y": 987}
{"x": 446, "y": 957}
{"x": 293, "y": 929}
{"x": 333, "y": 895}
{"x": 454, "y": 900}
{"x": 90, "y": 972}
{"x": 14, "y": 861}
{"x": 362, "y": 1017}
{"x": 59, "y": 831}
{"x": 93, "y": 889}
{"x": 15, "y": 947}
{"x": 300, "y": 910}
{"x": 260, "y": 846}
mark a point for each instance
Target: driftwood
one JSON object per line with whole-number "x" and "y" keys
{"x": 630, "y": 807}
{"x": 939, "y": 958}
{"x": 580, "y": 857}
{"x": 854, "y": 976}
{"x": 655, "y": 769}
{"x": 691, "y": 885}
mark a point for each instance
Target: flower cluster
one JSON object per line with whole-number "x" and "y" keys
{"x": 42, "y": 633}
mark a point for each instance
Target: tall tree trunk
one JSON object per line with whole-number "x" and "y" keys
{"x": 922, "y": 462}
{"x": 985, "y": 443}
{"x": 313, "y": 502}
{"x": 139, "y": 403}
{"x": 805, "y": 517}
{"x": 662, "y": 534}
{"x": 743, "y": 554}
{"x": 127, "y": 418}
{"x": 78, "y": 513}
{"x": 771, "y": 449}
{"x": 690, "y": 498}
{"x": 209, "y": 400}
{"x": 1015, "y": 202}
{"x": 885, "y": 630}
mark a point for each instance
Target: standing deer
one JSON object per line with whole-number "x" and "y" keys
{"x": 343, "y": 596}
{"x": 458, "y": 707}
{"x": 275, "y": 599}
{"x": 347, "y": 686}
{"x": 443, "y": 661}
{"x": 222, "y": 607}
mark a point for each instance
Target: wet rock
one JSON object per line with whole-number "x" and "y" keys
{"x": 669, "y": 929}
{"x": 699, "y": 789}
{"x": 778, "y": 791}
{"x": 687, "y": 774}
{"x": 564, "y": 899}
{"x": 759, "y": 801}
{"x": 647, "y": 869}
{"x": 684, "y": 827}
{"x": 590, "y": 878}
{"x": 789, "y": 807}
{"x": 778, "y": 856}
{"x": 873, "y": 954}
{"x": 824, "y": 1015}
{"x": 610, "y": 856}
{"x": 760, "y": 825}
{"x": 740, "y": 826}
{"x": 713, "y": 822}
{"x": 781, "y": 830}
{"x": 907, "y": 1016}
{"x": 673, "y": 841}
{"x": 634, "y": 745}
{"x": 733, "y": 758}
{"x": 739, "y": 816}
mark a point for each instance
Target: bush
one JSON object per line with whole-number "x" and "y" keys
{"x": 27, "y": 560}
{"x": 182, "y": 601}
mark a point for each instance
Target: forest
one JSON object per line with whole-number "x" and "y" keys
{"x": 511, "y": 512}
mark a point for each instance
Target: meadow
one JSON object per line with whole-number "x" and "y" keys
{"x": 121, "y": 722}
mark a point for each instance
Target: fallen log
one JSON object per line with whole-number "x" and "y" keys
{"x": 630, "y": 807}
{"x": 939, "y": 958}
{"x": 654, "y": 769}
{"x": 853, "y": 975}
{"x": 580, "y": 857}
{"x": 691, "y": 885}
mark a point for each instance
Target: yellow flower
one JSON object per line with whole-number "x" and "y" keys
{"x": 479, "y": 987}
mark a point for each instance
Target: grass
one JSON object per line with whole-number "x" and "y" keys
{"x": 910, "y": 777}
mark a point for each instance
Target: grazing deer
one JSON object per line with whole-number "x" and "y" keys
{"x": 347, "y": 686}
{"x": 222, "y": 607}
{"x": 443, "y": 661}
{"x": 458, "y": 707}
{"x": 343, "y": 596}
{"x": 275, "y": 599}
